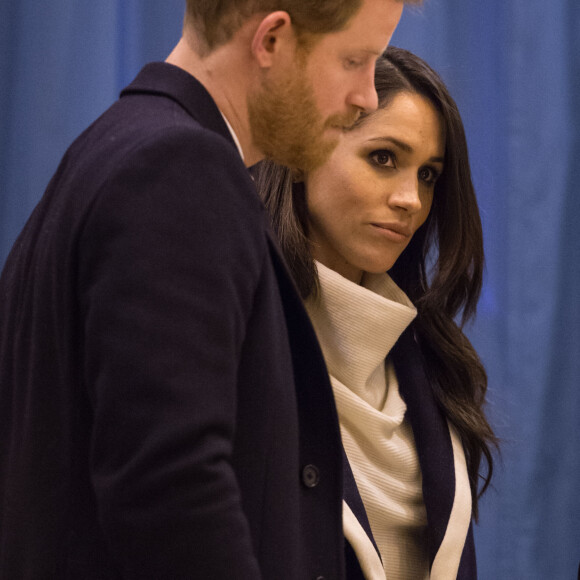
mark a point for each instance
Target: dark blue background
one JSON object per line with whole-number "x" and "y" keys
{"x": 514, "y": 69}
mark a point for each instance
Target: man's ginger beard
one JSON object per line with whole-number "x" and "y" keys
{"x": 287, "y": 126}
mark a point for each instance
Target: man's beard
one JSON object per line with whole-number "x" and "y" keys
{"x": 287, "y": 126}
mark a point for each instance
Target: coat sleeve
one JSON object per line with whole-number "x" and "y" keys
{"x": 168, "y": 261}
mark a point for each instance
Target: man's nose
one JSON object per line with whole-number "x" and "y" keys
{"x": 364, "y": 95}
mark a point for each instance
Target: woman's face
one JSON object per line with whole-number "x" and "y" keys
{"x": 368, "y": 200}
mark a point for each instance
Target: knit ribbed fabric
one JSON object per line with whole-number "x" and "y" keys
{"x": 357, "y": 326}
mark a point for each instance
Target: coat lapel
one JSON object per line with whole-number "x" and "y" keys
{"x": 352, "y": 497}
{"x": 434, "y": 448}
{"x": 432, "y": 438}
{"x": 364, "y": 549}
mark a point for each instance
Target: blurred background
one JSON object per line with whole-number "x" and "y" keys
{"x": 513, "y": 67}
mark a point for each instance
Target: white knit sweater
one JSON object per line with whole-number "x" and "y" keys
{"x": 357, "y": 326}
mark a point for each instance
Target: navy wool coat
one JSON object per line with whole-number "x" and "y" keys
{"x": 165, "y": 411}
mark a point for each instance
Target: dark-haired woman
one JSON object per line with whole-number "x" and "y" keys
{"x": 396, "y": 196}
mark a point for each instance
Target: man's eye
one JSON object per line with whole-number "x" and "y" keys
{"x": 351, "y": 63}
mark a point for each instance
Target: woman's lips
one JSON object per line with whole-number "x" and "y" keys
{"x": 395, "y": 231}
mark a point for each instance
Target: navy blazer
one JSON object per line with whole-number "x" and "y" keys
{"x": 435, "y": 452}
{"x": 165, "y": 411}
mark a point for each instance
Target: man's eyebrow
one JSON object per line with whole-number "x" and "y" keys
{"x": 365, "y": 50}
{"x": 404, "y": 146}
{"x": 373, "y": 51}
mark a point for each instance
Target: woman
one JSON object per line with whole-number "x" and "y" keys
{"x": 396, "y": 195}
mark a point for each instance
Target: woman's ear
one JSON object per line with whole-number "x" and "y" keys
{"x": 273, "y": 36}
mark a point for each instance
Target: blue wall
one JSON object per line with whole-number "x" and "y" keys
{"x": 514, "y": 68}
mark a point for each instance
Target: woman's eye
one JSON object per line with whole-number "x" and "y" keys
{"x": 428, "y": 175}
{"x": 383, "y": 158}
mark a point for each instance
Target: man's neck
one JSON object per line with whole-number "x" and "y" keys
{"x": 226, "y": 75}
{"x": 234, "y": 136}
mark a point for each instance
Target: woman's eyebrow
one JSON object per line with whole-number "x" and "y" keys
{"x": 400, "y": 144}
{"x": 403, "y": 146}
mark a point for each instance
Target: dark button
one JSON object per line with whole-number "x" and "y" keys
{"x": 310, "y": 476}
{"x": 320, "y": 578}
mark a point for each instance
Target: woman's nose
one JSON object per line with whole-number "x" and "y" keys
{"x": 405, "y": 194}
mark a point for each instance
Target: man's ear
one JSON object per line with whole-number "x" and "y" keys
{"x": 273, "y": 35}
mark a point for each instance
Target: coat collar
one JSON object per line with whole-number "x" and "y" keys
{"x": 170, "y": 81}
{"x": 164, "y": 79}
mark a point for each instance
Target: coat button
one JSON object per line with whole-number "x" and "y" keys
{"x": 310, "y": 476}
{"x": 320, "y": 578}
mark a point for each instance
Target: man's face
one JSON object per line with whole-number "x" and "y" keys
{"x": 297, "y": 115}
{"x": 287, "y": 125}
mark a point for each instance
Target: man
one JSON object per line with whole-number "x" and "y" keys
{"x": 164, "y": 408}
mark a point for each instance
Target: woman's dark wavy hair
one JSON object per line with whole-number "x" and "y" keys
{"x": 440, "y": 270}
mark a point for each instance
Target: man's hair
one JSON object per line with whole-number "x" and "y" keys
{"x": 216, "y": 21}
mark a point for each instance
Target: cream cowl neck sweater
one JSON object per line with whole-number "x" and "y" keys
{"x": 357, "y": 326}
